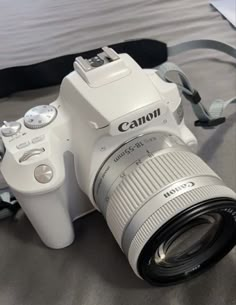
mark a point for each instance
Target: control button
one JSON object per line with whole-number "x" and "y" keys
{"x": 40, "y": 116}
{"x": 10, "y": 128}
{"x": 23, "y": 145}
{"x": 38, "y": 139}
{"x": 30, "y": 153}
{"x": 43, "y": 173}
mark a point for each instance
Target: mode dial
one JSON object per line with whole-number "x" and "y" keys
{"x": 40, "y": 116}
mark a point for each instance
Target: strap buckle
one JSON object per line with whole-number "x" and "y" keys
{"x": 194, "y": 98}
{"x": 210, "y": 123}
{"x": 8, "y": 209}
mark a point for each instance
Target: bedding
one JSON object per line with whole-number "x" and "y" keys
{"x": 93, "y": 270}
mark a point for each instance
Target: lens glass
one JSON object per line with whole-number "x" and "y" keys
{"x": 189, "y": 240}
{"x": 189, "y": 243}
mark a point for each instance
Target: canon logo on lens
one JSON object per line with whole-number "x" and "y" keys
{"x": 124, "y": 126}
{"x": 178, "y": 188}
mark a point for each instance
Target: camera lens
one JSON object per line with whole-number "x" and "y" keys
{"x": 189, "y": 240}
{"x": 190, "y": 243}
{"x": 170, "y": 213}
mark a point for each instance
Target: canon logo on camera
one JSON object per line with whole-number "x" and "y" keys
{"x": 124, "y": 126}
{"x": 178, "y": 188}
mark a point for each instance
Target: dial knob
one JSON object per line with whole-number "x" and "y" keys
{"x": 10, "y": 128}
{"x": 40, "y": 116}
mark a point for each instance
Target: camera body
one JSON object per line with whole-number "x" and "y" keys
{"x": 98, "y": 109}
{"x": 115, "y": 141}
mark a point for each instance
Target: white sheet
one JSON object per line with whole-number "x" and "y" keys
{"x": 226, "y": 8}
{"x": 31, "y": 31}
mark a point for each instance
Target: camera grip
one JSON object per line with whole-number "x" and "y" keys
{"x": 49, "y": 216}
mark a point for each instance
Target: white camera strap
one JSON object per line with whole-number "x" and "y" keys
{"x": 206, "y": 118}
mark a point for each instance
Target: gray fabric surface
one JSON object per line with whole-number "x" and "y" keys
{"x": 93, "y": 270}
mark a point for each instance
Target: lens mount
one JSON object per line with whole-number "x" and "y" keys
{"x": 171, "y": 256}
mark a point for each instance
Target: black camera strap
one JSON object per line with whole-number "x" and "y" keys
{"x": 8, "y": 204}
{"x": 147, "y": 53}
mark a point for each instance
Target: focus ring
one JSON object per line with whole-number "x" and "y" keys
{"x": 146, "y": 180}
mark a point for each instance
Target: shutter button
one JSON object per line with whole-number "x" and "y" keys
{"x": 43, "y": 173}
{"x": 10, "y": 128}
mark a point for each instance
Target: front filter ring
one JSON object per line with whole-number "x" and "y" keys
{"x": 218, "y": 247}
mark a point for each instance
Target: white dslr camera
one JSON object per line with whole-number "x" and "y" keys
{"x": 115, "y": 141}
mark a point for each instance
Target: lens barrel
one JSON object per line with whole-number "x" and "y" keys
{"x": 170, "y": 213}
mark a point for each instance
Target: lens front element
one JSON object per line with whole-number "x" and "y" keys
{"x": 189, "y": 240}
{"x": 189, "y": 243}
